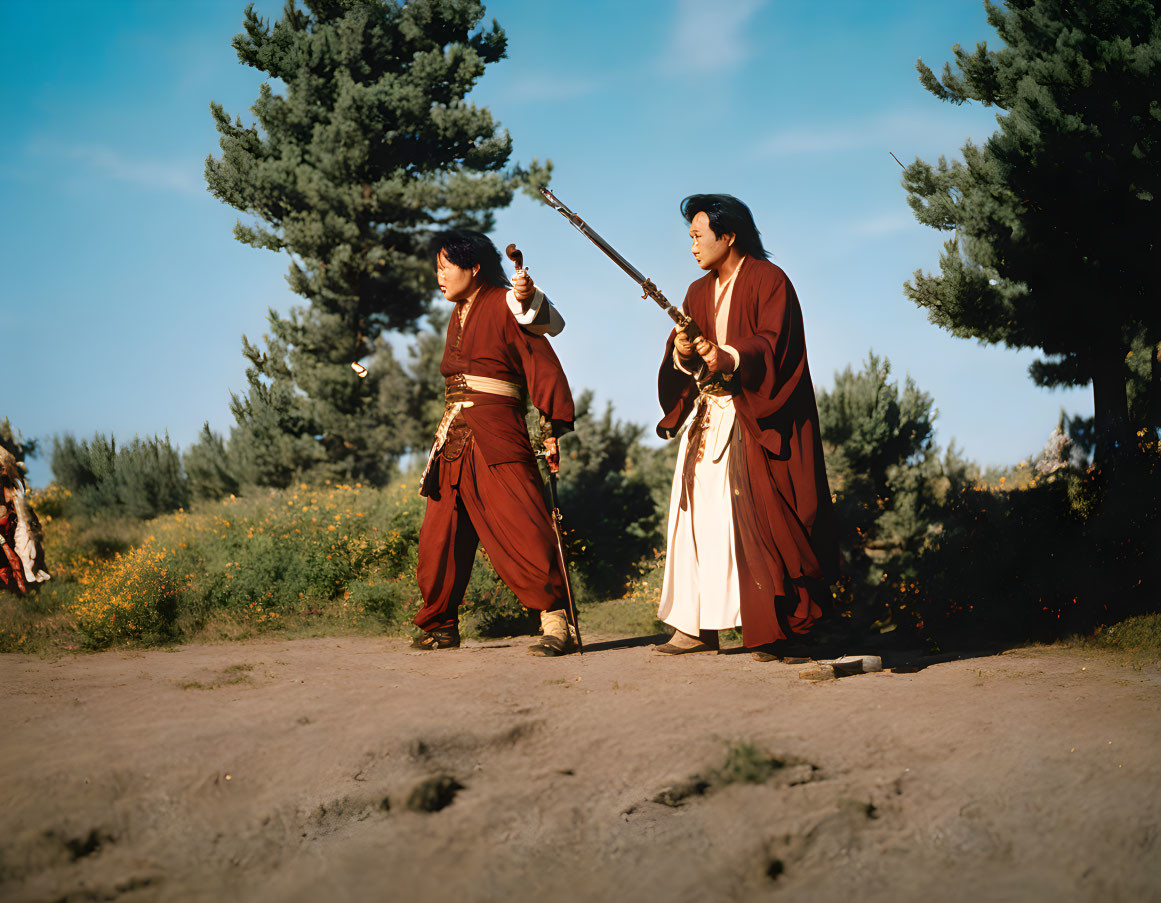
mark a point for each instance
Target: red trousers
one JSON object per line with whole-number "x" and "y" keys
{"x": 502, "y": 506}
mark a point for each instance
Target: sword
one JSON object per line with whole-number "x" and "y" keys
{"x": 551, "y": 455}
{"x": 647, "y": 286}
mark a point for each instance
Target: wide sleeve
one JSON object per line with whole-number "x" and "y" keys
{"x": 548, "y": 387}
{"x": 541, "y": 318}
{"x": 771, "y": 359}
{"x": 676, "y": 386}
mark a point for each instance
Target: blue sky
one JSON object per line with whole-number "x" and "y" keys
{"x": 125, "y": 295}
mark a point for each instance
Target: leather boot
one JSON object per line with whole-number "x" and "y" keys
{"x": 556, "y": 638}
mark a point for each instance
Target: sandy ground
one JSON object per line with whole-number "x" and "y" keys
{"x": 259, "y": 771}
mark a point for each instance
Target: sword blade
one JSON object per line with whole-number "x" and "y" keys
{"x": 647, "y": 286}
{"x": 592, "y": 235}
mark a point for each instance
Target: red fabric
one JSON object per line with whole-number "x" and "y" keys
{"x": 492, "y": 344}
{"x": 781, "y": 502}
{"x": 501, "y": 505}
{"x": 492, "y": 492}
{"x": 11, "y": 567}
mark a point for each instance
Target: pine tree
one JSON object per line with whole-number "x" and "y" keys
{"x": 1057, "y": 240}
{"x": 426, "y": 398}
{"x": 885, "y": 469}
{"x": 143, "y": 478}
{"x": 611, "y": 518}
{"x": 207, "y": 467}
{"x": 366, "y": 148}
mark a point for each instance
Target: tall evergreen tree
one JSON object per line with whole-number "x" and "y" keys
{"x": 366, "y": 146}
{"x": 426, "y": 402}
{"x": 1057, "y": 239}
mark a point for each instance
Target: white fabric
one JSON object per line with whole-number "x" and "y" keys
{"x": 23, "y": 542}
{"x": 555, "y": 323}
{"x": 721, "y": 322}
{"x": 700, "y": 590}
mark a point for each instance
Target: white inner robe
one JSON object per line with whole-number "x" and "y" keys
{"x": 700, "y": 590}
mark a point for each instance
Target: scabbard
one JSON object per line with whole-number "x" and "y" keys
{"x": 570, "y": 608}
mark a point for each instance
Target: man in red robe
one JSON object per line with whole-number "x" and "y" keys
{"x": 11, "y": 567}
{"x": 751, "y": 540}
{"x": 481, "y": 482}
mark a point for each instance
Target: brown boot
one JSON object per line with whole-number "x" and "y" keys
{"x": 556, "y": 638}
{"x": 440, "y": 638}
{"x": 683, "y": 644}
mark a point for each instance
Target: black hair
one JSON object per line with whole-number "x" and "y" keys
{"x": 466, "y": 248}
{"x": 727, "y": 216}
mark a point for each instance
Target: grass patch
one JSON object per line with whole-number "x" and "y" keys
{"x": 1140, "y": 634}
{"x": 744, "y": 763}
{"x": 229, "y": 676}
{"x": 621, "y": 617}
{"x": 1136, "y": 640}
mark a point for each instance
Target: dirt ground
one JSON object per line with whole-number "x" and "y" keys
{"x": 273, "y": 771}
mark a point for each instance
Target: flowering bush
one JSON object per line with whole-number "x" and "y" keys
{"x": 133, "y": 597}
{"x": 275, "y": 559}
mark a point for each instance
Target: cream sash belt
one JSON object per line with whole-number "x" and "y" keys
{"x": 458, "y": 392}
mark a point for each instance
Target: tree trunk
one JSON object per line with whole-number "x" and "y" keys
{"x": 1153, "y": 403}
{"x": 1114, "y": 436}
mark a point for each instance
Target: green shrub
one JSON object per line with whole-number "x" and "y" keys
{"x": 207, "y": 467}
{"x": 142, "y": 479}
{"x": 609, "y": 499}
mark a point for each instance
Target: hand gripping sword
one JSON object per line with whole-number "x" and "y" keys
{"x": 651, "y": 291}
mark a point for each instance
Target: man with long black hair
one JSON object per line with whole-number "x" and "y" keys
{"x": 751, "y": 541}
{"x": 481, "y": 480}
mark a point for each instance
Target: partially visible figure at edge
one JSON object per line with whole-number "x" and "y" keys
{"x": 751, "y": 537}
{"x": 21, "y": 536}
{"x": 481, "y": 481}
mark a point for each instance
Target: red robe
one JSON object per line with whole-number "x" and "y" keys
{"x": 781, "y": 501}
{"x": 487, "y": 487}
{"x": 11, "y": 567}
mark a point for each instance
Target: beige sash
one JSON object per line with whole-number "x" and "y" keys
{"x": 457, "y": 388}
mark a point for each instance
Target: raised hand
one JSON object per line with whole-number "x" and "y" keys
{"x": 523, "y": 286}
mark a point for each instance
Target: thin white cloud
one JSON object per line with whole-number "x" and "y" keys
{"x": 538, "y": 87}
{"x": 907, "y": 134}
{"x": 882, "y": 225}
{"x": 161, "y": 175}
{"x": 813, "y": 140}
{"x": 708, "y": 37}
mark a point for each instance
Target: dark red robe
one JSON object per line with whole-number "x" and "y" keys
{"x": 488, "y": 488}
{"x": 11, "y": 567}
{"x": 781, "y": 503}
